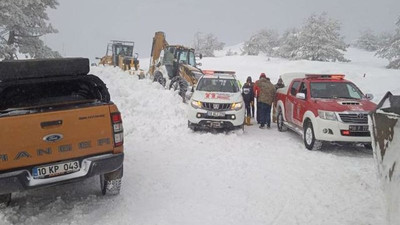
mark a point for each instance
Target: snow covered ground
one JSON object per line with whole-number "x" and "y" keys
{"x": 175, "y": 176}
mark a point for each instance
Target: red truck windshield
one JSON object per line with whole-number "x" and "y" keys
{"x": 335, "y": 90}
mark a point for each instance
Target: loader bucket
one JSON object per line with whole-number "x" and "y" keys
{"x": 385, "y": 128}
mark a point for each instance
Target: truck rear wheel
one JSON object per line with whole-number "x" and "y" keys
{"x": 111, "y": 182}
{"x": 309, "y": 137}
{"x": 5, "y": 200}
{"x": 280, "y": 122}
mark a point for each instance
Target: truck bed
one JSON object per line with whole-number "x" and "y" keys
{"x": 46, "y": 137}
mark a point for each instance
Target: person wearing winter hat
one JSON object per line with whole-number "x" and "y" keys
{"x": 278, "y": 85}
{"x": 266, "y": 96}
{"x": 248, "y": 98}
{"x": 256, "y": 91}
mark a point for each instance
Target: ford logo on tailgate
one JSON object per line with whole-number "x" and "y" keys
{"x": 53, "y": 137}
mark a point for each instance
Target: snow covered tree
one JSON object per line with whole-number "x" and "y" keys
{"x": 206, "y": 44}
{"x": 264, "y": 41}
{"x": 320, "y": 40}
{"x": 368, "y": 41}
{"x": 230, "y": 53}
{"x": 22, "y": 23}
{"x": 391, "y": 49}
{"x": 289, "y": 44}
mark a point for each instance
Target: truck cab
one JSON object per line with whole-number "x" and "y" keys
{"x": 217, "y": 102}
{"x": 324, "y": 107}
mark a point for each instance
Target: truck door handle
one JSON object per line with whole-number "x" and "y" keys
{"x": 51, "y": 123}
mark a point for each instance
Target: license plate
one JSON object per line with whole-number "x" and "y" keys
{"x": 55, "y": 169}
{"x": 215, "y": 114}
{"x": 358, "y": 128}
{"x": 215, "y": 124}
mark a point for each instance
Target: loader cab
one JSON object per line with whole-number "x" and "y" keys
{"x": 119, "y": 49}
{"x": 123, "y": 50}
{"x": 183, "y": 55}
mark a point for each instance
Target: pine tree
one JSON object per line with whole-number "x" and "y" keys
{"x": 368, "y": 41}
{"x": 22, "y": 23}
{"x": 206, "y": 44}
{"x": 289, "y": 44}
{"x": 264, "y": 41}
{"x": 320, "y": 40}
{"x": 391, "y": 49}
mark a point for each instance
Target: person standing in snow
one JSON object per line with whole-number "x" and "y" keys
{"x": 168, "y": 61}
{"x": 256, "y": 92}
{"x": 278, "y": 85}
{"x": 248, "y": 98}
{"x": 252, "y": 100}
{"x": 266, "y": 97}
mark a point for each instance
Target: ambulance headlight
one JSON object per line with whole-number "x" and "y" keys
{"x": 196, "y": 104}
{"x": 237, "y": 106}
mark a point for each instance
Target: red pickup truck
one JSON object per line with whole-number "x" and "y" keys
{"x": 324, "y": 108}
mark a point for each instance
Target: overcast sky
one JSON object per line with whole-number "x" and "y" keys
{"x": 85, "y": 26}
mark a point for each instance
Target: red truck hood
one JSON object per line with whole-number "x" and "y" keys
{"x": 340, "y": 105}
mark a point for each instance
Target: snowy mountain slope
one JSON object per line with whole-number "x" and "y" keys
{"x": 175, "y": 176}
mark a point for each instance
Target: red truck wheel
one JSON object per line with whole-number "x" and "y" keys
{"x": 280, "y": 121}
{"x": 309, "y": 137}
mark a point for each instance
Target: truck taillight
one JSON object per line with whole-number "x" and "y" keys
{"x": 116, "y": 117}
{"x": 118, "y": 129}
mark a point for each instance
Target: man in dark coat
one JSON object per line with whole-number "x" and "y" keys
{"x": 266, "y": 97}
{"x": 248, "y": 97}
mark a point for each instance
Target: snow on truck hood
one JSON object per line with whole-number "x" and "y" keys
{"x": 341, "y": 105}
{"x": 217, "y": 97}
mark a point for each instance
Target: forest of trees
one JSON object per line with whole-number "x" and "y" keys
{"x": 22, "y": 23}
{"x": 319, "y": 39}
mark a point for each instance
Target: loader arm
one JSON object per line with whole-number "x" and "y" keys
{"x": 159, "y": 44}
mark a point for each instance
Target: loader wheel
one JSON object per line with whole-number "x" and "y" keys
{"x": 158, "y": 77}
{"x": 111, "y": 182}
{"x": 5, "y": 200}
{"x": 178, "y": 83}
{"x": 309, "y": 137}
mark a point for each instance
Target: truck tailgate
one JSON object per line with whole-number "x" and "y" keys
{"x": 47, "y": 137}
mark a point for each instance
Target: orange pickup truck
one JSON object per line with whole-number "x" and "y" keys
{"x": 57, "y": 125}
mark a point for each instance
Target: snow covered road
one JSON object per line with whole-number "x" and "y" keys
{"x": 175, "y": 176}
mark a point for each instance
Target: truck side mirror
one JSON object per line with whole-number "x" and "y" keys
{"x": 369, "y": 96}
{"x": 301, "y": 96}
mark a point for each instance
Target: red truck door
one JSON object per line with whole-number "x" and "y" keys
{"x": 301, "y": 105}
{"x": 291, "y": 101}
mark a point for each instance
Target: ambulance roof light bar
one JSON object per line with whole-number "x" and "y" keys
{"x": 218, "y": 72}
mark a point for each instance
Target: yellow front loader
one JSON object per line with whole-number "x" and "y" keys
{"x": 120, "y": 53}
{"x": 182, "y": 74}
